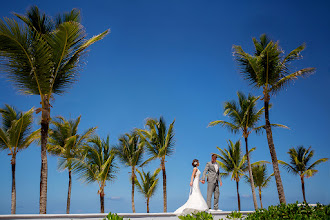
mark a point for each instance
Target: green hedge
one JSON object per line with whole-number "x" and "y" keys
{"x": 292, "y": 211}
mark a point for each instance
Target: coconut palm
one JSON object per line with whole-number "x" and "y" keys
{"x": 42, "y": 56}
{"x": 129, "y": 151}
{"x": 159, "y": 142}
{"x": 15, "y": 135}
{"x": 244, "y": 117}
{"x": 260, "y": 178}
{"x": 300, "y": 164}
{"x": 234, "y": 163}
{"x": 65, "y": 142}
{"x": 268, "y": 68}
{"x": 98, "y": 165}
{"x": 148, "y": 184}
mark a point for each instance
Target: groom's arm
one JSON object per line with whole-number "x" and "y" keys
{"x": 205, "y": 171}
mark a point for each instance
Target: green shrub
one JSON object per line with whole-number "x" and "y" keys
{"x": 235, "y": 215}
{"x": 292, "y": 211}
{"x": 197, "y": 216}
{"x": 113, "y": 216}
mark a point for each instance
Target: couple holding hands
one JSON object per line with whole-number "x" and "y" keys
{"x": 196, "y": 201}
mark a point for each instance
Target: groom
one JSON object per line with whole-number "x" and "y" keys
{"x": 213, "y": 179}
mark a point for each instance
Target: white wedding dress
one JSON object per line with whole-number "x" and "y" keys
{"x": 196, "y": 202}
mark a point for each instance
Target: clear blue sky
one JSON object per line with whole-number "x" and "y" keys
{"x": 174, "y": 58}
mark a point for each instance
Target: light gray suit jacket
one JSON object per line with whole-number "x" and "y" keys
{"x": 212, "y": 175}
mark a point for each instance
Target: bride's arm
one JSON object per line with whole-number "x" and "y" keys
{"x": 193, "y": 176}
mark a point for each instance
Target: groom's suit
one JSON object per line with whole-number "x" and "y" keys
{"x": 213, "y": 178}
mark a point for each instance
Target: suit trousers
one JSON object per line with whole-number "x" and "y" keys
{"x": 213, "y": 188}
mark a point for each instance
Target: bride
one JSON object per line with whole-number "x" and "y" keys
{"x": 196, "y": 202}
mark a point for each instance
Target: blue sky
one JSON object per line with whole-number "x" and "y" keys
{"x": 174, "y": 58}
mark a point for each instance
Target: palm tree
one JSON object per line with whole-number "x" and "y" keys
{"x": 66, "y": 143}
{"x": 300, "y": 164}
{"x": 42, "y": 57}
{"x": 269, "y": 69}
{"x": 15, "y": 135}
{"x": 259, "y": 173}
{"x": 244, "y": 118}
{"x": 98, "y": 165}
{"x": 160, "y": 143}
{"x": 233, "y": 162}
{"x": 130, "y": 150}
{"x": 148, "y": 184}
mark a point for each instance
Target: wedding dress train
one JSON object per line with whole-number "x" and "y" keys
{"x": 196, "y": 202}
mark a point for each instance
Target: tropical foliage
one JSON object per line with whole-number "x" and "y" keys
{"x": 148, "y": 184}
{"x": 67, "y": 144}
{"x": 98, "y": 165}
{"x": 197, "y": 216}
{"x": 300, "y": 164}
{"x": 42, "y": 56}
{"x": 130, "y": 151}
{"x": 260, "y": 179}
{"x": 269, "y": 69}
{"x": 159, "y": 142}
{"x": 15, "y": 135}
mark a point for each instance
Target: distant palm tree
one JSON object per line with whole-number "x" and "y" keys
{"x": 259, "y": 173}
{"x": 42, "y": 56}
{"x": 98, "y": 165}
{"x": 148, "y": 184}
{"x": 15, "y": 135}
{"x": 129, "y": 151}
{"x": 66, "y": 143}
{"x": 300, "y": 164}
{"x": 160, "y": 143}
{"x": 244, "y": 118}
{"x": 235, "y": 164}
{"x": 268, "y": 69}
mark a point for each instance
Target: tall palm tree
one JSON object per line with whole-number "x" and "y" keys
{"x": 148, "y": 184}
{"x": 65, "y": 142}
{"x": 42, "y": 57}
{"x": 260, "y": 178}
{"x": 244, "y": 117}
{"x": 15, "y": 135}
{"x": 129, "y": 151}
{"x": 160, "y": 143}
{"x": 98, "y": 165}
{"x": 300, "y": 164}
{"x": 268, "y": 68}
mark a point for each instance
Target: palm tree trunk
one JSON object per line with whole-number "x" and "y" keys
{"x": 147, "y": 205}
{"x": 250, "y": 175}
{"x": 133, "y": 181}
{"x": 45, "y": 117}
{"x": 69, "y": 195}
{"x": 13, "y": 185}
{"x": 303, "y": 188}
{"x": 238, "y": 197}
{"x": 260, "y": 198}
{"x": 164, "y": 184}
{"x": 102, "y": 200}
{"x": 272, "y": 151}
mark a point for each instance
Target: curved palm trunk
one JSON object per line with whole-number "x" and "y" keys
{"x": 260, "y": 198}
{"x": 272, "y": 151}
{"x": 238, "y": 197}
{"x": 69, "y": 194}
{"x": 45, "y": 117}
{"x": 164, "y": 184}
{"x": 147, "y": 205}
{"x": 250, "y": 175}
{"x": 133, "y": 182}
{"x": 102, "y": 200}
{"x": 13, "y": 185}
{"x": 303, "y": 188}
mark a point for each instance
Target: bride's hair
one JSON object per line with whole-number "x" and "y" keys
{"x": 195, "y": 162}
